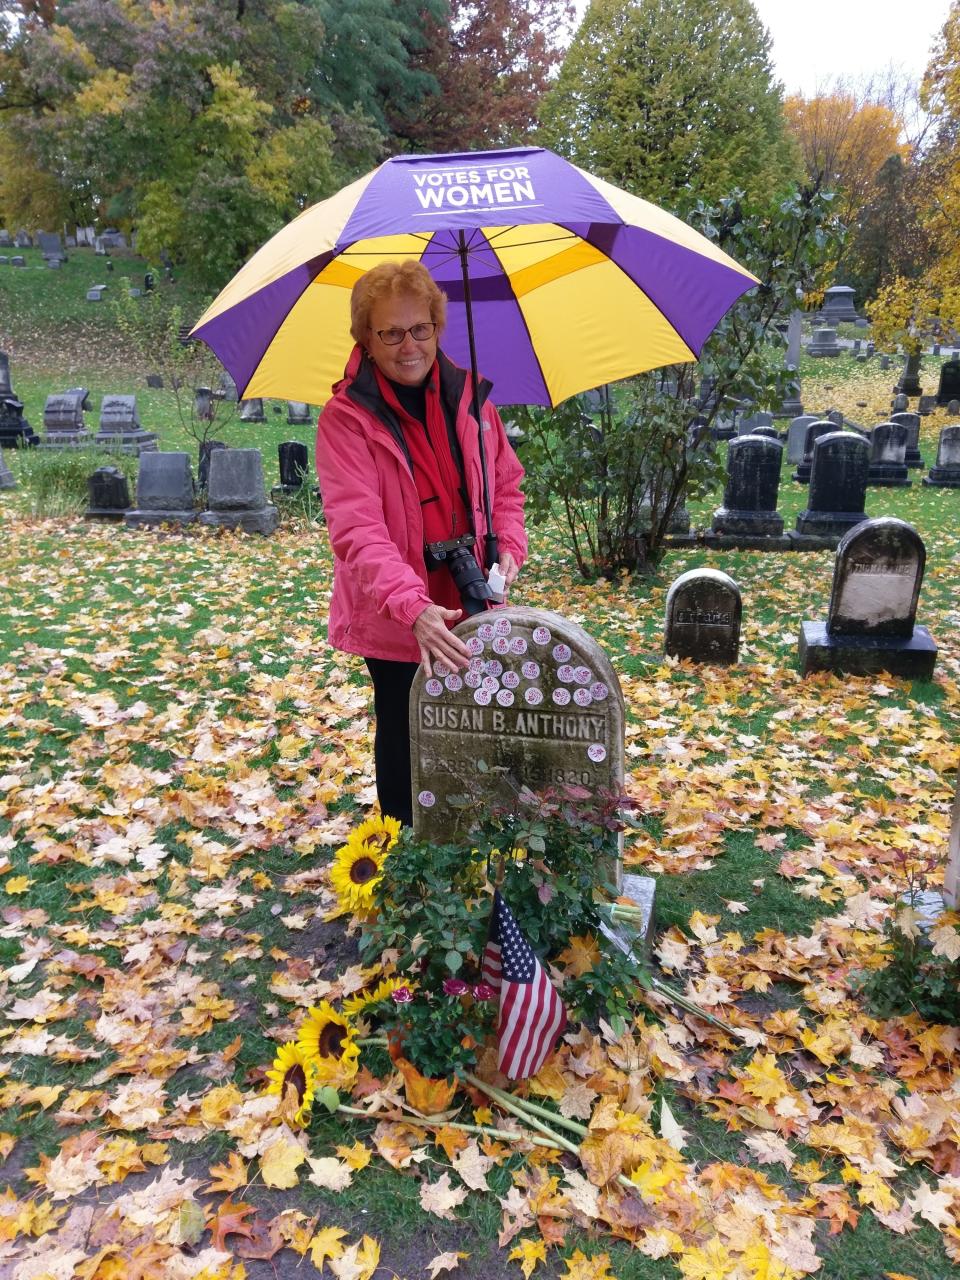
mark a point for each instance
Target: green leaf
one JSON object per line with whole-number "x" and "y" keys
{"x": 454, "y": 960}
{"x": 192, "y": 1222}
{"x": 329, "y": 1098}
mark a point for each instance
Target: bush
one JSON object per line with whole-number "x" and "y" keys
{"x": 54, "y": 481}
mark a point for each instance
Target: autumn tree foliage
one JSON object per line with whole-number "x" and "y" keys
{"x": 492, "y": 63}
{"x": 674, "y": 100}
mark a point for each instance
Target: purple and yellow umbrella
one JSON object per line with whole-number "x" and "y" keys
{"x": 559, "y": 280}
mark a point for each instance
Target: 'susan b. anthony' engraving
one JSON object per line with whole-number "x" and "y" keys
{"x": 539, "y": 705}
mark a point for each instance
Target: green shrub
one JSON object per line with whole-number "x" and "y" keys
{"x": 54, "y": 481}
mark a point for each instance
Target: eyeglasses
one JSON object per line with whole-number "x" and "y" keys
{"x": 419, "y": 332}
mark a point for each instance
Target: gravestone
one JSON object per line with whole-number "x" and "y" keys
{"x": 109, "y": 495}
{"x": 768, "y": 433}
{"x": 120, "y": 426}
{"x": 838, "y": 485}
{"x": 824, "y": 343}
{"x": 70, "y": 242}
{"x": 873, "y": 606}
{"x": 822, "y": 427}
{"x": 797, "y": 436}
{"x": 251, "y": 411}
{"x": 836, "y": 417}
{"x": 207, "y": 447}
{"x": 888, "y": 448}
{"x": 838, "y": 305}
{"x": 750, "y": 496}
{"x": 155, "y": 380}
{"x": 6, "y": 384}
{"x": 95, "y": 293}
{"x": 901, "y": 403}
{"x": 7, "y": 480}
{"x": 164, "y": 491}
{"x": 909, "y": 384}
{"x": 22, "y": 241}
{"x": 63, "y": 422}
{"x": 18, "y": 261}
{"x": 15, "y": 430}
{"x": 935, "y": 350}
{"x": 4, "y": 260}
{"x": 912, "y": 457}
{"x": 949, "y": 388}
{"x": 6, "y": 239}
{"x": 298, "y": 413}
{"x": 51, "y": 246}
{"x": 227, "y": 389}
{"x": 235, "y": 492}
{"x": 53, "y": 263}
{"x": 703, "y": 615}
{"x": 871, "y": 349}
{"x": 540, "y": 705}
{"x": 946, "y": 473}
{"x": 953, "y": 408}
{"x": 884, "y": 363}
{"x": 926, "y": 406}
{"x": 294, "y": 466}
{"x": 746, "y": 425}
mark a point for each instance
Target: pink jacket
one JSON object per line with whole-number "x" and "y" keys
{"x": 373, "y": 510}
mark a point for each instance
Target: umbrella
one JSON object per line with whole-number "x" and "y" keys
{"x": 557, "y": 280}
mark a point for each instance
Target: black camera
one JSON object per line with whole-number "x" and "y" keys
{"x": 457, "y": 555}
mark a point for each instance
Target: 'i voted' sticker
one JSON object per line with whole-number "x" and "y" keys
{"x": 482, "y": 696}
{"x": 491, "y": 683}
{"x": 582, "y": 675}
{"x": 501, "y": 645}
{"x": 427, "y": 799}
{"x": 518, "y": 645}
{"x": 476, "y": 664}
{"x": 505, "y": 697}
{"x": 565, "y": 673}
{"x": 474, "y": 645}
{"x": 561, "y": 697}
{"x": 597, "y": 752}
{"x": 510, "y": 679}
{"x": 582, "y": 697}
{"x": 541, "y": 635}
{"x": 485, "y": 631}
{"x": 434, "y": 688}
{"x": 441, "y": 669}
{"x": 561, "y": 652}
{"x": 455, "y": 684}
{"x": 531, "y": 670}
{"x": 533, "y": 696}
{"x": 598, "y": 691}
{"x": 502, "y": 627}
{"x": 472, "y": 679}
{"x": 493, "y": 667}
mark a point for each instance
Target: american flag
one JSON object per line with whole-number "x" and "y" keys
{"x": 532, "y": 1016}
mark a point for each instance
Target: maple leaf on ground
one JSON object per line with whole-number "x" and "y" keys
{"x": 230, "y": 1220}
{"x": 357, "y": 1157}
{"x": 473, "y": 1167}
{"x": 330, "y": 1173}
{"x": 444, "y": 1262}
{"x": 280, "y": 1162}
{"x": 670, "y": 1130}
{"x": 228, "y": 1177}
{"x": 358, "y": 1261}
{"x": 932, "y": 1205}
{"x": 580, "y": 1267}
{"x": 326, "y": 1244}
{"x": 769, "y": 1148}
{"x": 580, "y": 956}
{"x": 528, "y": 1253}
{"x": 440, "y": 1198}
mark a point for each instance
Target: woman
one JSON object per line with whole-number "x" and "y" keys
{"x": 399, "y": 467}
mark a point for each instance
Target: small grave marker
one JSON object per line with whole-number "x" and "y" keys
{"x": 703, "y": 615}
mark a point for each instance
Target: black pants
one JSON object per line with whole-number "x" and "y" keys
{"x": 391, "y": 740}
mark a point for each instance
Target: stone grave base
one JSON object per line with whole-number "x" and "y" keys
{"x": 802, "y": 473}
{"x": 913, "y": 657}
{"x": 943, "y": 478}
{"x": 790, "y": 540}
{"x": 752, "y": 524}
{"x": 135, "y": 442}
{"x": 138, "y": 518}
{"x": 66, "y": 440}
{"x": 114, "y": 514}
{"x": 914, "y": 459}
{"x": 827, "y": 524}
{"x": 880, "y": 477}
{"x": 264, "y": 520}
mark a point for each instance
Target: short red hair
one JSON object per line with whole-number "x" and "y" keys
{"x": 391, "y": 280}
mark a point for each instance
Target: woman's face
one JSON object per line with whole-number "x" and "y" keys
{"x": 409, "y": 361}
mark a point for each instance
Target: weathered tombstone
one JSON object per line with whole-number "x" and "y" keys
{"x": 6, "y": 239}
{"x": 838, "y": 485}
{"x": 813, "y": 433}
{"x": 99, "y": 248}
{"x": 235, "y": 492}
{"x": 95, "y": 293}
{"x": 149, "y": 282}
{"x": 294, "y": 466}
{"x": 953, "y": 408}
{"x": 760, "y": 419}
{"x": 109, "y": 495}
{"x": 884, "y": 363}
{"x": 22, "y": 241}
{"x": 155, "y": 380}
{"x": 797, "y": 436}
{"x": 836, "y": 417}
{"x": 703, "y": 616}
{"x": 888, "y": 448}
{"x": 912, "y": 457}
{"x": 909, "y": 384}
{"x": 926, "y": 406}
{"x": 871, "y": 349}
{"x": 70, "y": 242}
{"x": 164, "y": 490}
{"x": 949, "y": 388}
{"x": 298, "y": 413}
{"x": 946, "y": 473}
{"x": 873, "y": 606}
{"x": 18, "y": 261}
{"x": 120, "y": 426}
{"x": 51, "y": 246}
{"x": 768, "y": 433}
{"x": 750, "y": 497}
{"x": 251, "y": 411}
{"x": 227, "y": 389}
{"x": 134, "y": 293}
{"x": 63, "y": 421}
{"x": 53, "y": 263}
{"x": 207, "y": 447}
{"x": 824, "y": 343}
{"x": 540, "y": 706}
{"x": 901, "y": 403}
{"x": 7, "y": 479}
{"x": 15, "y": 430}
{"x": 838, "y": 305}
{"x": 4, "y": 260}
{"x": 6, "y": 385}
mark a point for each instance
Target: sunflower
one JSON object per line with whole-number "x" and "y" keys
{"x": 355, "y": 874}
{"x": 376, "y": 836}
{"x": 328, "y": 1038}
{"x": 294, "y": 1066}
{"x": 363, "y": 999}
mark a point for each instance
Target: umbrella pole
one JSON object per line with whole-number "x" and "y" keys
{"x": 491, "y": 547}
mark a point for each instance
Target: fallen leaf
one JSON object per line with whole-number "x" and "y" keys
{"x": 444, "y": 1262}
{"x": 440, "y": 1198}
{"x": 280, "y": 1162}
{"x": 230, "y": 1176}
{"x": 326, "y": 1244}
{"x": 528, "y": 1253}
{"x": 358, "y": 1261}
{"x": 329, "y": 1173}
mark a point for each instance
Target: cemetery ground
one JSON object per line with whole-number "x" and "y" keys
{"x": 181, "y": 753}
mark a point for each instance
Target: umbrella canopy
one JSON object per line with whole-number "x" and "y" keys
{"x": 571, "y": 282}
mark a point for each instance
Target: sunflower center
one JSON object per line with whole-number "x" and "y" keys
{"x": 330, "y": 1040}
{"x": 297, "y": 1077}
{"x": 363, "y": 870}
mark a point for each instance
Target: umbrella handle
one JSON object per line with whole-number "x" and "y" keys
{"x": 491, "y": 546}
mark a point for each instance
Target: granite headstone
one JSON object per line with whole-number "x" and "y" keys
{"x": 703, "y": 616}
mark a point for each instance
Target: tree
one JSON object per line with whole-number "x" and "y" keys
{"x": 674, "y": 100}
{"x": 492, "y": 63}
{"x": 908, "y": 310}
{"x": 613, "y": 480}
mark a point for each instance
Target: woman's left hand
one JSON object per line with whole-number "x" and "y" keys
{"x": 509, "y": 568}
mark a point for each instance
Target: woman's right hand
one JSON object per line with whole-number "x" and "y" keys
{"x": 437, "y": 642}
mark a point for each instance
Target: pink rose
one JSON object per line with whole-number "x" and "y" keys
{"x": 454, "y": 987}
{"x": 402, "y": 995}
{"x": 482, "y": 991}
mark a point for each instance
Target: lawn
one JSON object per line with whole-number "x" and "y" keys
{"x": 181, "y": 754}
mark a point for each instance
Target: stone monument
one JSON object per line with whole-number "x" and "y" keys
{"x": 164, "y": 491}
{"x": 235, "y": 492}
{"x": 838, "y": 305}
{"x": 252, "y": 411}
{"x": 946, "y": 473}
{"x": 838, "y": 485}
{"x": 912, "y": 457}
{"x": 949, "y": 388}
{"x": 888, "y": 448}
{"x": 797, "y": 435}
{"x": 824, "y": 343}
{"x": 298, "y": 414}
{"x": 7, "y": 479}
{"x": 63, "y": 421}
{"x": 120, "y": 427}
{"x": 822, "y": 427}
{"x": 109, "y": 495}
{"x": 873, "y": 606}
{"x": 909, "y": 383}
{"x": 750, "y": 496}
{"x": 294, "y": 467}
{"x": 703, "y": 616}
{"x": 207, "y": 447}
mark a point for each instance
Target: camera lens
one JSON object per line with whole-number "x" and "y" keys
{"x": 469, "y": 579}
